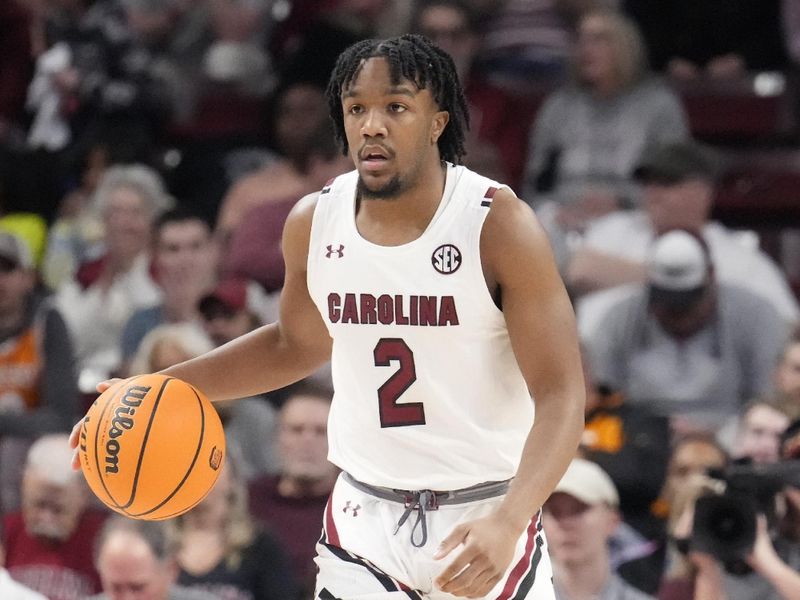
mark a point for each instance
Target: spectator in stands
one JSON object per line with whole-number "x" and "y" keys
{"x": 530, "y": 40}
{"x": 690, "y": 347}
{"x": 249, "y": 423}
{"x": 787, "y": 375}
{"x": 185, "y": 264}
{"x": 49, "y": 544}
{"x": 590, "y": 135}
{"x": 38, "y": 385}
{"x": 631, "y": 444}
{"x": 237, "y": 57}
{"x": 220, "y": 550}
{"x": 9, "y": 588}
{"x": 758, "y": 438}
{"x": 292, "y": 503}
{"x": 579, "y": 519}
{"x": 106, "y": 292}
{"x": 310, "y": 158}
{"x": 693, "y": 455}
{"x": 76, "y": 235}
{"x": 98, "y": 71}
{"x": 759, "y": 441}
{"x": 135, "y": 560}
{"x": 496, "y": 143}
{"x": 679, "y": 181}
{"x": 773, "y": 559}
{"x": 717, "y": 38}
{"x": 227, "y": 312}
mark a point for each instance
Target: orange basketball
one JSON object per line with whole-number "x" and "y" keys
{"x": 151, "y": 447}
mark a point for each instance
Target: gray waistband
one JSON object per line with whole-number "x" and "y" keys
{"x": 482, "y": 491}
{"x": 424, "y": 500}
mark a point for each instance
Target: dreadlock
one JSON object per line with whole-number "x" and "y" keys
{"x": 417, "y": 59}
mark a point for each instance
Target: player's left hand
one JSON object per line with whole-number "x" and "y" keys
{"x": 488, "y": 547}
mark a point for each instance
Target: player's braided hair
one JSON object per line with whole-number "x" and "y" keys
{"x": 417, "y": 59}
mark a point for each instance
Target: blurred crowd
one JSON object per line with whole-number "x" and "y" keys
{"x": 150, "y": 151}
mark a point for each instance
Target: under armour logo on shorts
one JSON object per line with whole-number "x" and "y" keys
{"x": 339, "y": 252}
{"x": 348, "y": 506}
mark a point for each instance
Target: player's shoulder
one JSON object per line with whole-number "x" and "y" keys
{"x": 511, "y": 232}
{"x": 303, "y": 210}
{"x": 507, "y": 211}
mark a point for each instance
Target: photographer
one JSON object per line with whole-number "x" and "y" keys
{"x": 703, "y": 555}
{"x": 689, "y": 575}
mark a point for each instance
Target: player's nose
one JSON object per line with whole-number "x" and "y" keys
{"x": 373, "y": 124}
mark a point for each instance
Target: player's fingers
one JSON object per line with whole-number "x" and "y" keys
{"x": 73, "y": 436}
{"x": 459, "y": 564}
{"x": 455, "y": 538}
{"x": 73, "y": 442}
{"x": 463, "y": 583}
{"x": 484, "y": 583}
{"x": 104, "y": 385}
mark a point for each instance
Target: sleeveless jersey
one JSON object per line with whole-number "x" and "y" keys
{"x": 428, "y": 394}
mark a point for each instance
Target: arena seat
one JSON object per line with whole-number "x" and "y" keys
{"x": 759, "y": 107}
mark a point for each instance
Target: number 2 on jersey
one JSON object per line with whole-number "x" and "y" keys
{"x": 392, "y": 413}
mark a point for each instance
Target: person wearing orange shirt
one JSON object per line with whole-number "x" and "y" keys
{"x": 38, "y": 388}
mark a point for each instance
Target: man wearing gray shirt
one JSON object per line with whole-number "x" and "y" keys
{"x": 692, "y": 348}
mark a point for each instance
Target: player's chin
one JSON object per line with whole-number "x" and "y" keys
{"x": 374, "y": 180}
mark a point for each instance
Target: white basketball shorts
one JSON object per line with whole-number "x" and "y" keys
{"x": 360, "y": 557}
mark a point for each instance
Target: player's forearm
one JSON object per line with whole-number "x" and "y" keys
{"x": 252, "y": 364}
{"x": 551, "y": 445}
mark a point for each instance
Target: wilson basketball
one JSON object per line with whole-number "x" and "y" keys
{"x": 151, "y": 447}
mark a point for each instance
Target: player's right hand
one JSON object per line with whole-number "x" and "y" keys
{"x": 76, "y": 430}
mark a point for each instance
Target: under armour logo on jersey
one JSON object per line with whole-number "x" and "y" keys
{"x": 348, "y": 506}
{"x": 446, "y": 259}
{"x": 337, "y": 252}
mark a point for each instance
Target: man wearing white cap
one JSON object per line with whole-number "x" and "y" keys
{"x": 579, "y": 519}
{"x": 690, "y": 347}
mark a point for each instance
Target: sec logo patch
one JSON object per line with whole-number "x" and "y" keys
{"x": 446, "y": 259}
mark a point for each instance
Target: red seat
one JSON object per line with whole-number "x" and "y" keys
{"x": 758, "y": 107}
{"x": 221, "y": 113}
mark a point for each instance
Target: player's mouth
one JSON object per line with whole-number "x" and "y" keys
{"x": 374, "y": 158}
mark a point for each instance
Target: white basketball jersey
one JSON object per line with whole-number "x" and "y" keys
{"x": 428, "y": 394}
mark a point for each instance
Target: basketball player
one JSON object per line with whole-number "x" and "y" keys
{"x": 434, "y": 292}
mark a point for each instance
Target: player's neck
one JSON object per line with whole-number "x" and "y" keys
{"x": 402, "y": 219}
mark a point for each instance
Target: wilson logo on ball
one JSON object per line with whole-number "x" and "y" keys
{"x": 446, "y": 259}
{"x": 122, "y": 422}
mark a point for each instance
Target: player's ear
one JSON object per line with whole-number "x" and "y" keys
{"x": 440, "y": 120}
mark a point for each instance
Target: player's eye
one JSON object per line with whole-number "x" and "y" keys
{"x": 355, "y": 109}
{"x": 396, "y": 107}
